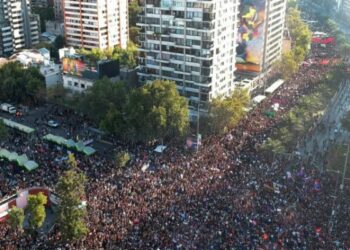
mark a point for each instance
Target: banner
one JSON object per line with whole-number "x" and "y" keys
{"x": 251, "y": 35}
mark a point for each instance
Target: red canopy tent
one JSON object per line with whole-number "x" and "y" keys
{"x": 323, "y": 40}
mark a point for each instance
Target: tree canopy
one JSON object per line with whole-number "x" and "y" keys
{"x": 122, "y": 158}
{"x": 16, "y": 218}
{"x": 134, "y": 11}
{"x": 45, "y": 14}
{"x": 126, "y": 57}
{"x": 225, "y": 113}
{"x": 71, "y": 214}
{"x": 301, "y": 39}
{"x": 20, "y": 85}
{"x": 297, "y": 122}
{"x": 154, "y": 111}
{"x": 36, "y": 210}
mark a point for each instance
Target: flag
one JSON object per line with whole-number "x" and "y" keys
{"x": 317, "y": 185}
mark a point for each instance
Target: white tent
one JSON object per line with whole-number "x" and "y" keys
{"x": 160, "y": 149}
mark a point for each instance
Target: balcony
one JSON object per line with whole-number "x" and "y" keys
{"x": 208, "y": 17}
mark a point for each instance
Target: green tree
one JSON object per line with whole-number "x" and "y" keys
{"x": 225, "y": 113}
{"x": 45, "y": 14}
{"x": 273, "y": 146}
{"x": 301, "y": 39}
{"x": 133, "y": 34}
{"x": 288, "y": 65}
{"x": 59, "y": 42}
{"x": 157, "y": 111}
{"x": 71, "y": 214}
{"x": 16, "y": 219}
{"x": 36, "y": 210}
{"x": 20, "y": 85}
{"x": 104, "y": 97}
{"x": 127, "y": 57}
{"x": 134, "y": 11}
{"x": 122, "y": 158}
{"x": 3, "y": 130}
{"x": 154, "y": 111}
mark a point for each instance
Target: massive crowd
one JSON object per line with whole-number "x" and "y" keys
{"x": 228, "y": 195}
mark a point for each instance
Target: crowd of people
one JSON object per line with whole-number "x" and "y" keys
{"x": 227, "y": 195}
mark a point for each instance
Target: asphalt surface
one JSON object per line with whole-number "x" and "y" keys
{"x": 68, "y": 128}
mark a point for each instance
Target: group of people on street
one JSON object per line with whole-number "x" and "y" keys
{"x": 226, "y": 195}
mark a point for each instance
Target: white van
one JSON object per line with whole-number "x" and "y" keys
{"x": 8, "y": 108}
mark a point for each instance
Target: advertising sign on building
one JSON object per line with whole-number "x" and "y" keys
{"x": 251, "y": 36}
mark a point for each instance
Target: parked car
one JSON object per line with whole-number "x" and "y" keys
{"x": 52, "y": 124}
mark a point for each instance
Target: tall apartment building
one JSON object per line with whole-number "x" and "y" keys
{"x": 276, "y": 18}
{"x": 58, "y": 10}
{"x": 19, "y": 28}
{"x": 260, "y": 38}
{"x": 96, "y": 23}
{"x": 191, "y": 42}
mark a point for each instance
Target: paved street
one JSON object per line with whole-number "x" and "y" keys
{"x": 70, "y": 129}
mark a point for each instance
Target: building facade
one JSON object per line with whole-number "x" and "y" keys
{"x": 191, "y": 42}
{"x": 19, "y": 28}
{"x": 260, "y": 39}
{"x": 79, "y": 73}
{"x": 276, "y": 18}
{"x": 96, "y": 23}
{"x": 58, "y": 10}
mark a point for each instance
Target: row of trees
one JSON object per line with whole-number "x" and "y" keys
{"x": 126, "y": 57}
{"x": 71, "y": 215}
{"x": 301, "y": 38}
{"x": 156, "y": 110}
{"x": 300, "y": 119}
{"x": 343, "y": 44}
{"x": 20, "y": 85}
{"x": 35, "y": 212}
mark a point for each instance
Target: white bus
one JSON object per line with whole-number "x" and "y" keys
{"x": 274, "y": 87}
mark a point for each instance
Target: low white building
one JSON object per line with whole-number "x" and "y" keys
{"x": 52, "y": 74}
{"x": 41, "y": 59}
{"x": 32, "y": 57}
{"x": 76, "y": 84}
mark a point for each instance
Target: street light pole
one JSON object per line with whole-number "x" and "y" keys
{"x": 331, "y": 223}
{"x": 345, "y": 168}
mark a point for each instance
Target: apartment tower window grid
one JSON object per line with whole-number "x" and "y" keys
{"x": 276, "y": 16}
{"x": 19, "y": 28}
{"x": 192, "y": 43}
{"x": 96, "y": 23}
